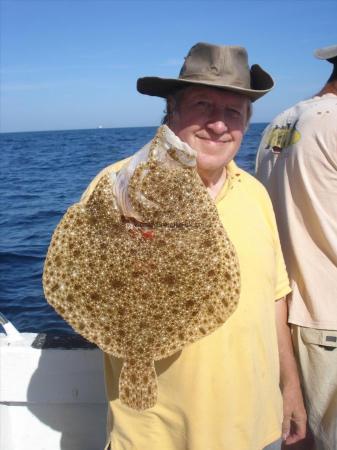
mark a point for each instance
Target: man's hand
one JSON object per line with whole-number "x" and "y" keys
{"x": 294, "y": 415}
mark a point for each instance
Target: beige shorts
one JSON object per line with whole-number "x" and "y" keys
{"x": 316, "y": 352}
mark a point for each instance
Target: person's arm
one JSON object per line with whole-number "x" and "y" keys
{"x": 294, "y": 414}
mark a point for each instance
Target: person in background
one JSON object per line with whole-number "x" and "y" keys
{"x": 223, "y": 391}
{"x": 297, "y": 162}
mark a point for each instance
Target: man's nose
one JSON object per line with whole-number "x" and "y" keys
{"x": 217, "y": 124}
{"x": 217, "y": 121}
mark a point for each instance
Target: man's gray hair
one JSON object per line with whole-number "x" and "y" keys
{"x": 172, "y": 103}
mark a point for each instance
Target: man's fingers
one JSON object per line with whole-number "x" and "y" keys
{"x": 296, "y": 432}
{"x": 301, "y": 429}
{"x": 285, "y": 427}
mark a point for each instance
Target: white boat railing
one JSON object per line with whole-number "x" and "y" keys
{"x": 11, "y": 332}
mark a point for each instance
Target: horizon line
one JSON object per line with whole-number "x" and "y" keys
{"x": 96, "y": 128}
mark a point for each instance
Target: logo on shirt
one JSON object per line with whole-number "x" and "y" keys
{"x": 280, "y": 137}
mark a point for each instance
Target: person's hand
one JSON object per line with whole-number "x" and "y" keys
{"x": 304, "y": 444}
{"x": 294, "y": 415}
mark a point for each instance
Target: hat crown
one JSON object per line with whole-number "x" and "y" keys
{"x": 222, "y": 65}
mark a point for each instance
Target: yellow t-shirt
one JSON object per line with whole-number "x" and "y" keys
{"x": 222, "y": 392}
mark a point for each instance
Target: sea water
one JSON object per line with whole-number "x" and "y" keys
{"x": 42, "y": 174}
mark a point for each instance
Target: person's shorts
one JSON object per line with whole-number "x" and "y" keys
{"x": 316, "y": 352}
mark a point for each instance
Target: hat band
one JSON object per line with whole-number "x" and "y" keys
{"x": 216, "y": 80}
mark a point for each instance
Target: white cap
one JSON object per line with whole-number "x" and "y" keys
{"x": 326, "y": 52}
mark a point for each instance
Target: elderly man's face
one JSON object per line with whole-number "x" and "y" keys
{"x": 212, "y": 122}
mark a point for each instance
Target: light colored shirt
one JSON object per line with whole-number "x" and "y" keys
{"x": 297, "y": 162}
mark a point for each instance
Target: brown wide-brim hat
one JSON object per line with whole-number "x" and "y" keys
{"x": 223, "y": 67}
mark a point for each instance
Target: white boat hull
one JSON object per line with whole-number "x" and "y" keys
{"x": 50, "y": 398}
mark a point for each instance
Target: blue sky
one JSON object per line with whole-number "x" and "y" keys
{"x": 74, "y": 64}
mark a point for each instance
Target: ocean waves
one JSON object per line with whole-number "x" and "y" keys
{"x": 43, "y": 174}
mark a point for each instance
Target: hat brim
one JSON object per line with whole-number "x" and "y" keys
{"x": 326, "y": 52}
{"x": 261, "y": 83}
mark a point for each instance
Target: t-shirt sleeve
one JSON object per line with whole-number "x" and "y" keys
{"x": 282, "y": 285}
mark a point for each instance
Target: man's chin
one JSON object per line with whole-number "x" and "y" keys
{"x": 211, "y": 160}
{"x": 210, "y": 167}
